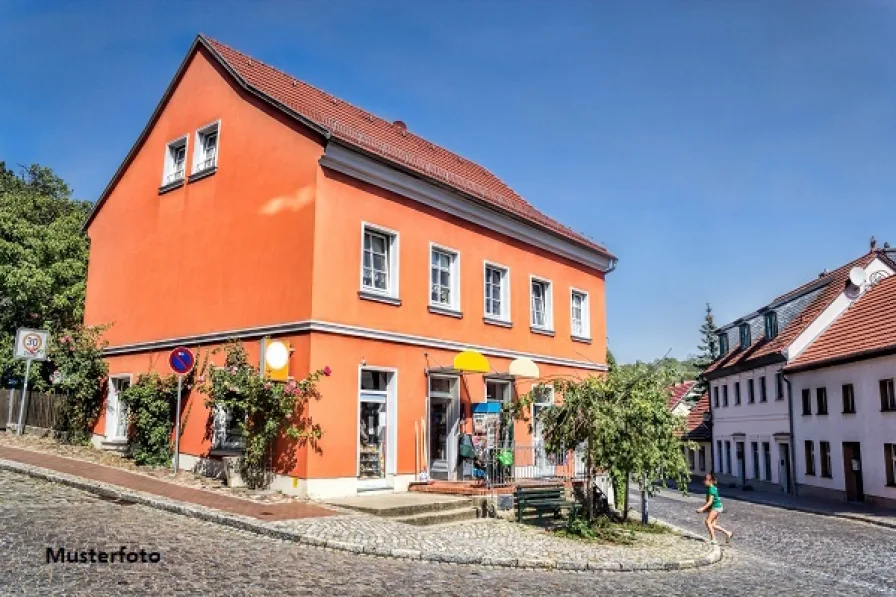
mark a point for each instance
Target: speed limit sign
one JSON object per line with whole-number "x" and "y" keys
{"x": 31, "y": 344}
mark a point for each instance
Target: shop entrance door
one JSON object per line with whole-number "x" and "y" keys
{"x": 443, "y": 419}
{"x": 376, "y": 429}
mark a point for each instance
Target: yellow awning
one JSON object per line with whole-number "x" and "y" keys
{"x": 523, "y": 367}
{"x": 470, "y": 361}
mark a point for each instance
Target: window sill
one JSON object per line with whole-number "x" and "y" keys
{"x": 891, "y": 485}
{"x": 203, "y": 174}
{"x": 541, "y": 331}
{"x": 827, "y": 476}
{"x": 498, "y": 322}
{"x": 379, "y": 298}
{"x": 888, "y": 410}
{"x": 848, "y": 412}
{"x": 225, "y": 452}
{"x": 822, "y": 414}
{"x": 167, "y": 188}
{"x": 446, "y": 312}
{"x": 581, "y": 339}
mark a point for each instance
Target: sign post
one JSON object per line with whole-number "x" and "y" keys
{"x": 181, "y": 361}
{"x": 31, "y": 345}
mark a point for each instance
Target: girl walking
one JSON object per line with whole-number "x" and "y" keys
{"x": 714, "y": 505}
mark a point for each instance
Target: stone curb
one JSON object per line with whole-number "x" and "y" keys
{"x": 251, "y": 525}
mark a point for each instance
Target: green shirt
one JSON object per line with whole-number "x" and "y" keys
{"x": 713, "y": 492}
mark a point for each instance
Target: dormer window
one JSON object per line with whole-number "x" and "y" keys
{"x": 723, "y": 344}
{"x": 745, "y": 335}
{"x": 205, "y": 156}
{"x": 175, "y": 158}
{"x": 771, "y": 325}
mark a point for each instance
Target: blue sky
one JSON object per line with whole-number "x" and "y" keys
{"x": 726, "y": 151}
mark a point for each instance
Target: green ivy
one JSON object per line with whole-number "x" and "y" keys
{"x": 80, "y": 370}
{"x": 152, "y": 406}
{"x": 265, "y": 412}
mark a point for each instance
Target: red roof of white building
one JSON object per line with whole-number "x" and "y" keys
{"x": 865, "y": 330}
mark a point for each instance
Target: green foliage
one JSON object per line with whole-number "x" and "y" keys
{"x": 622, "y": 422}
{"x": 709, "y": 346}
{"x": 600, "y": 529}
{"x": 43, "y": 260}
{"x": 77, "y": 356}
{"x": 266, "y": 412}
{"x": 152, "y": 406}
{"x": 679, "y": 370}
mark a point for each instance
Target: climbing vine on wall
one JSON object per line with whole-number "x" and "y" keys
{"x": 266, "y": 412}
{"x": 79, "y": 373}
{"x": 152, "y": 406}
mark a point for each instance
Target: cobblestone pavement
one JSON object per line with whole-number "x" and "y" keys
{"x": 496, "y": 540}
{"x": 776, "y": 553}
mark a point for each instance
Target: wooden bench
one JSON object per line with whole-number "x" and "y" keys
{"x": 541, "y": 499}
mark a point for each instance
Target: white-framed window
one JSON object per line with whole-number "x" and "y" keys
{"x": 497, "y": 390}
{"x": 497, "y": 292}
{"x": 444, "y": 278}
{"x": 542, "y": 398}
{"x": 379, "y": 260}
{"x": 580, "y": 313}
{"x": 175, "y": 161}
{"x": 541, "y": 304}
{"x": 205, "y": 154}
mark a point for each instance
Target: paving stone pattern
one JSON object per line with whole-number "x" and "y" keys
{"x": 497, "y": 542}
{"x": 776, "y": 553}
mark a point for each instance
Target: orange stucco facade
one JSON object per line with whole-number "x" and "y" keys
{"x": 271, "y": 245}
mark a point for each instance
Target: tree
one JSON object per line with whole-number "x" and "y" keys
{"x": 622, "y": 423}
{"x": 43, "y": 260}
{"x": 709, "y": 341}
{"x": 709, "y": 347}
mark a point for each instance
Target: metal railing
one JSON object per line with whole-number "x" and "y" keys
{"x": 521, "y": 463}
{"x": 175, "y": 176}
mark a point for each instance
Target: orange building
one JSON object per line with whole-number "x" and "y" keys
{"x": 255, "y": 206}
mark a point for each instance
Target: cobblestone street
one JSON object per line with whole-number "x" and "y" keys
{"x": 776, "y": 552}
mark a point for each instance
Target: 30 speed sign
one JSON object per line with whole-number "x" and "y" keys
{"x": 31, "y": 344}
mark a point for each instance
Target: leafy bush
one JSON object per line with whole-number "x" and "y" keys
{"x": 152, "y": 406}
{"x": 80, "y": 371}
{"x": 600, "y": 529}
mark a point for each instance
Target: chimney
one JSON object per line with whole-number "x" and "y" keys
{"x": 873, "y": 244}
{"x": 823, "y": 273}
{"x": 400, "y": 125}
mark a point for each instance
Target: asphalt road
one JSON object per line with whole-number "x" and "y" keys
{"x": 775, "y": 552}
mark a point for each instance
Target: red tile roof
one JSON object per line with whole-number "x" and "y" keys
{"x": 387, "y": 140}
{"x": 695, "y": 417}
{"x": 679, "y": 391}
{"x": 866, "y": 328}
{"x": 834, "y": 284}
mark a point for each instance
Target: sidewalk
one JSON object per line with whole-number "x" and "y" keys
{"x": 487, "y": 542}
{"x": 169, "y": 491}
{"x": 852, "y": 511}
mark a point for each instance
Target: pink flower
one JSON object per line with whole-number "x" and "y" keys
{"x": 268, "y": 386}
{"x": 200, "y": 379}
{"x": 233, "y": 369}
{"x": 327, "y": 371}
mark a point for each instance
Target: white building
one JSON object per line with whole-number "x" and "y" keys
{"x": 844, "y": 427}
{"x": 751, "y": 404}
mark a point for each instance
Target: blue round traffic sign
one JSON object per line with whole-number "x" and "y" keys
{"x": 181, "y": 360}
